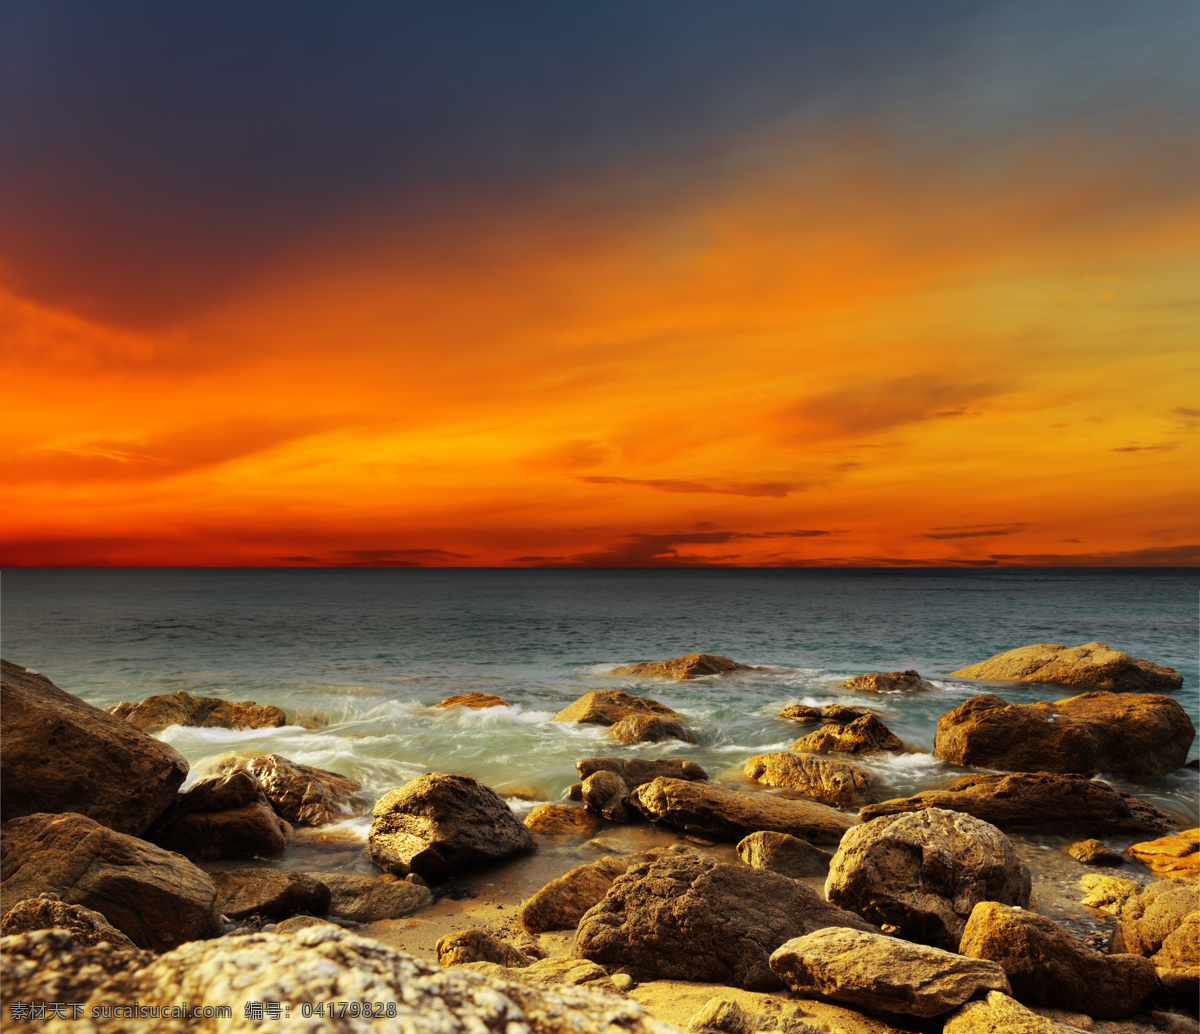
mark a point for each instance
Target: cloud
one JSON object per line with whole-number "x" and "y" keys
{"x": 756, "y": 489}
{"x": 1161, "y": 556}
{"x": 393, "y": 557}
{"x": 1157, "y": 447}
{"x": 975, "y": 531}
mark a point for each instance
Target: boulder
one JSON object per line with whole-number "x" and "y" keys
{"x": 684, "y": 917}
{"x": 157, "y": 898}
{"x": 458, "y": 949}
{"x": 1107, "y": 893}
{"x": 1035, "y": 800}
{"x": 1162, "y": 923}
{"x": 299, "y": 971}
{"x": 1132, "y": 734}
{"x": 1047, "y": 965}
{"x": 365, "y": 899}
{"x": 268, "y": 892}
{"x": 648, "y": 728}
{"x": 561, "y": 903}
{"x": 46, "y": 912}
{"x": 553, "y": 972}
{"x": 1176, "y": 856}
{"x": 864, "y": 735}
{"x": 636, "y": 771}
{"x": 1092, "y": 664}
{"x": 837, "y": 714}
{"x": 998, "y": 1012}
{"x": 159, "y": 712}
{"x": 923, "y": 872}
{"x": 606, "y": 793}
{"x": 222, "y": 817}
{"x": 889, "y": 682}
{"x": 821, "y": 778}
{"x": 476, "y": 700}
{"x": 726, "y": 1016}
{"x": 609, "y": 706}
{"x": 877, "y": 973}
{"x": 1092, "y": 852}
{"x": 551, "y": 819}
{"x": 723, "y": 814}
{"x": 62, "y": 755}
{"x": 689, "y": 666}
{"x": 300, "y": 793}
{"x": 441, "y": 823}
{"x": 787, "y": 855}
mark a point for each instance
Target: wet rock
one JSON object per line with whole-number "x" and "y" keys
{"x": 62, "y": 755}
{"x": 685, "y": 917}
{"x": 1134, "y": 734}
{"x": 268, "y": 892}
{"x": 648, "y": 728}
{"x": 223, "y": 817}
{"x": 1036, "y": 800}
{"x": 1176, "y": 856}
{"x": 876, "y": 973}
{"x": 442, "y": 823}
{"x": 555, "y": 972}
{"x": 821, "y": 778}
{"x": 561, "y": 903}
{"x": 1046, "y": 965}
{"x": 1162, "y": 923}
{"x": 551, "y": 819}
{"x": 923, "y": 872}
{"x": 457, "y": 949}
{"x": 998, "y": 1012}
{"x": 690, "y": 666}
{"x": 575, "y": 792}
{"x": 301, "y": 793}
{"x": 730, "y": 815}
{"x": 606, "y": 793}
{"x": 1107, "y": 893}
{"x": 158, "y": 899}
{"x": 474, "y": 700}
{"x": 159, "y": 712}
{"x": 727, "y": 1017}
{"x": 46, "y": 912}
{"x": 889, "y": 682}
{"x": 836, "y": 714}
{"x": 609, "y": 706}
{"x": 636, "y": 771}
{"x": 367, "y": 900}
{"x": 864, "y": 735}
{"x": 1092, "y": 852}
{"x": 1092, "y": 664}
{"x": 787, "y": 855}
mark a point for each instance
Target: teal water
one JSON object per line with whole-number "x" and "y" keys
{"x": 366, "y": 652}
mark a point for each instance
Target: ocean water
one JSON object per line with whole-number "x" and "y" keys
{"x": 357, "y": 657}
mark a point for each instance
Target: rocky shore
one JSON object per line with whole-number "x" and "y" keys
{"x": 651, "y": 899}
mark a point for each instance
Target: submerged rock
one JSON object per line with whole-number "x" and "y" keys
{"x": 46, "y": 912}
{"x": 908, "y": 681}
{"x": 648, "y": 728}
{"x": 477, "y": 700}
{"x": 1176, "y": 856}
{"x": 609, "y": 706}
{"x": 787, "y": 855}
{"x": 823, "y": 779}
{"x": 268, "y": 892}
{"x": 690, "y": 666}
{"x": 156, "y": 713}
{"x": 62, "y": 755}
{"x": 1135, "y": 734}
{"x": 1092, "y": 664}
{"x": 864, "y": 735}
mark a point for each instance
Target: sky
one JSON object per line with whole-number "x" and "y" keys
{"x": 626, "y": 284}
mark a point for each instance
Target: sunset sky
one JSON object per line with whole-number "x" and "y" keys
{"x": 633, "y": 283}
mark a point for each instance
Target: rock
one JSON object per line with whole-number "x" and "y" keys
{"x": 727, "y": 1017}
{"x": 636, "y": 771}
{"x": 1092, "y": 664}
{"x": 45, "y": 912}
{"x": 998, "y": 1012}
{"x": 1092, "y": 852}
{"x": 550, "y": 819}
{"x": 609, "y": 706}
{"x": 294, "y": 924}
{"x": 648, "y": 728}
{"x": 1132, "y": 734}
{"x": 685, "y": 917}
{"x": 865, "y": 735}
{"x": 561, "y": 903}
{"x": 156, "y": 713}
{"x": 924, "y": 871}
{"x": 269, "y": 892}
{"x": 367, "y": 900}
{"x": 1162, "y": 923}
{"x": 690, "y": 666}
{"x": 821, "y": 778}
{"x": 301, "y": 793}
{"x": 838, "y": 714}
{"x": 1174, "y": 1023}
{"x": 575, "y": 792}
{"x": 877, "y": 973}
{"x": 474, "y": 700}
{"x": 62, "y": 755}
{"x": 705, "y": 810}
{"x": 1107, "y": 893}
{"x": 555, "y": 972}
{"x": 888, "y": 682}
{"x": 457, "y": 949}
{"x": 1177, "y": 856}
{"x": 441, "y": 823}
{"x": 1042, "y": 801}
{"x": 787, "y": 855}
{"x": 158, "y": 899}
{"x": 319, "y": 965}
{"x": 1046, "y": 965}
{"x": 222, "y": 817}
{"x": 606, "y": 793}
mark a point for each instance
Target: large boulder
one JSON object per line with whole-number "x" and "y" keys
{"x": 648, "y": 728}
{"x": 46, "y": 912}
{"x": 1176, "y": 856}
{"x": 365, "y": 899}
{"x": 864, "y": 735}
{"x": 723, "y": 814}
{"x": 440, "y": 823}
{"x": 299, "y": 971}
{"x": 1046, "y": 965}
{"x": 998, "y": 1012}
{"x": 636, "y": 771}
{"x": 1092, "y": 664}
{"x": 1035, "y": 800}
{"x": 605, "y": 793}
{"x": 787, "y": 855}
{"x": 689, "y": 666}
{"x": 876, "y": 973}
{"x": 922, "y": 873}
{"x": 62, "y": 755}
{"x": 908, "y": 681}
{"x": 684, "y": 917}
{"x": 821, "y": 778}
{"x": 609, "y": 706}
{"x": 300, "y": 793}
{"x": 158, "y": 712}
{"x": 156, "y": 898}
{"x": 1162, "y": 923}
{"x": 561, "y": 903}
{"x": 268, "y": 892}
{"x": 223, "y": 817}
{"x": 1133, "y": 734}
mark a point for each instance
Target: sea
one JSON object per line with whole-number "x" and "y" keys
{"x": 357, "y": 657}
